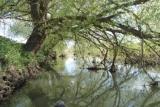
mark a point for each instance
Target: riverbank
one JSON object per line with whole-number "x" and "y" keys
{"x": 18, "y": 66}
{"x": 146, "y": 60}
{"x": 14, "y": 79}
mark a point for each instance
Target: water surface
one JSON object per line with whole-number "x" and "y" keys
{"x": 78, "y": 87}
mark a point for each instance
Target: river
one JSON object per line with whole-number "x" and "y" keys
{"x": 76, "y": 86}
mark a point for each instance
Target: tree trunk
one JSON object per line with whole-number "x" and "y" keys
{"x": 38, "y": 13}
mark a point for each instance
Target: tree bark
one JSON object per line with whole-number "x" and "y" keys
{"x": 38, "y": 13}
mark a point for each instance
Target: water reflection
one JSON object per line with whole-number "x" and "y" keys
{"x": 76, "y": 87}
{"x": 70, "y": 65}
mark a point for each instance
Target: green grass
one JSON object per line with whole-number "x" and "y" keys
{"x": 12, "y": 53}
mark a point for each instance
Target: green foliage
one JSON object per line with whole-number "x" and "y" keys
{"x": 74, "y": 7}
{"x": 150, "y": 13}
{"x": 87, "y": 19}
{"x": 20, "y": 28}
{"x": 12, "y": 54}
{"x": 10, "y": 51}
{"x": 83, "y": 47}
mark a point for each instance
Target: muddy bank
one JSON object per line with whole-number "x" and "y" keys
{"x": 14, "y": 79}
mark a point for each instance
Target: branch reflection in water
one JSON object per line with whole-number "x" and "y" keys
{"x": 77, "y": 87}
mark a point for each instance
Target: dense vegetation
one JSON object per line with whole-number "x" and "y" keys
{"x": 127, "y": 30}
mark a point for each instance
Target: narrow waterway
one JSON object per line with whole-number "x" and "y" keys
{"x": 78, "y": 87}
